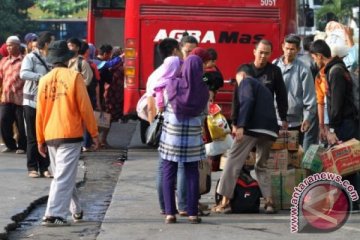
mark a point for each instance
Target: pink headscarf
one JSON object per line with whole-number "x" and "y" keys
{"x": 167, "y": 71}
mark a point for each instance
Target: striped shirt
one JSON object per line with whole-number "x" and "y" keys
{"x": 12, "y": 85}
{"x": 181, "y": 141}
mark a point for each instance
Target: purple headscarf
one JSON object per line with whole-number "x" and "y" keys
{"x": 189, "y": 95}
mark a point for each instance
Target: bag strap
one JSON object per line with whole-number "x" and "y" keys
{"x": 79, "y": 64}
{"x": 42, "y": 61}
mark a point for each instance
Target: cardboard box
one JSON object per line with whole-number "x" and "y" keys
{"x": 293, "y": 140}
{"x": 250, "y": 160}
{"x": 295, "y": 158}
{"x": 282, "y": 186}
{"x": 280, "y": 142}
{"x": 342, "y": 159}
{"x": 312, "y": 160}
{"x": 278, "y": 160}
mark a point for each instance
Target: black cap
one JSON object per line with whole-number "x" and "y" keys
{"x": 59, "y": 52}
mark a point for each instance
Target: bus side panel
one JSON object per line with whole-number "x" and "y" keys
{"x": 233, "y": 41}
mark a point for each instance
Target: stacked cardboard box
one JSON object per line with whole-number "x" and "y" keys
{"x": 295, "y": 157}
{"x": 250, "y": 160}
{"x": 342, "y": 159}
{"x": 285, "y": 151}
{"x": 278, "y": 160}
{"x": 282, "y": 185}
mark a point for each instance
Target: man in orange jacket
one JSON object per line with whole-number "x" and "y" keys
{"x": 63, "y": 110}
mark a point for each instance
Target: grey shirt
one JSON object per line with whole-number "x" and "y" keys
{"x": 32, "y": 69}
{"x": 300, "y": 91}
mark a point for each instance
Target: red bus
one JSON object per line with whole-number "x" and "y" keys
{"x": 106, "y": 22}
{"x": 232, "y": 28}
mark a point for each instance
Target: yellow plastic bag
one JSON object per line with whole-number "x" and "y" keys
{"x": 218, "y": 126}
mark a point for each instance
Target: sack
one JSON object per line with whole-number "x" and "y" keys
{"x": 102, "y": 119}
{"x": 247, "y": 195}
{"x": 153, "y": 132}
{"x": 219, "y": 147}
{"x": 218, "y": 126}
{"x": 141, "y": 108}
{"x": 204, "y": 177}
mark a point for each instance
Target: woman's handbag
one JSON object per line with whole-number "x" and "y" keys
{"x": 153, "y": 132}
{"x": 204, "y": 177}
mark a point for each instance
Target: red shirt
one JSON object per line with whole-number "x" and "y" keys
{"x": 12, "y": 85}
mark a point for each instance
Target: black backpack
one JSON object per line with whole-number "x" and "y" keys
{"x": 247, "y": 195}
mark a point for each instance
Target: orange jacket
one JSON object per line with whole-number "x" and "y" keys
{"x": 321, "y": 86}
{"x": 63, "y": 108}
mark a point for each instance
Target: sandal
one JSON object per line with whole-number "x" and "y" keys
{"x": 183, "y": 213}
{"x": 170, "y": 219}
{"x": 47, "y": 174}
{"x": 269, "y": 208}
{"x": 194, "y": 220}
{"x": 222, "y": 209}
{"x": 34, "y": 174}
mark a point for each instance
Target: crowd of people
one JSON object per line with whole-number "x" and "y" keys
{"x": 294, "y": 92}
{"x": 52, "y": 121}
{"x": 309, "y": 90}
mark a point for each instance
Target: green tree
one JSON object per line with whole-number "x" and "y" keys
{"x": 13, "y": 15}
{"x": 340, "y": 9}
{"x": 62, "y": 8}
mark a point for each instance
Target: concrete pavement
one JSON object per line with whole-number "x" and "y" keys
{"x": 134, "y": 212}
{"x": 19, "y": 194}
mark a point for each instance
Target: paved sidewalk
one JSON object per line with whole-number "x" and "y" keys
{"x": 134, "y": 212}
{"x": 19, "y": 194}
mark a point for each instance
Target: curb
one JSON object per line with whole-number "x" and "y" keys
{"x": 19, "y": 217}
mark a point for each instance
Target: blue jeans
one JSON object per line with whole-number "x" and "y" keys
{"x": 311, "y": 136}
{"x": 87, "y": 139}
{"x": 181, "y": 187}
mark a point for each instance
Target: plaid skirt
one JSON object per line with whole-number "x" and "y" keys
{"x": 181, "y": 141}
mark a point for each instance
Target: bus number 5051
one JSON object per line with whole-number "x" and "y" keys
{"x": 268, "y": 3}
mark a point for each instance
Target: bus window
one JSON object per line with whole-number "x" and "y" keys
{"x": 106, "y": 22}
{"x": 110, "y": 3}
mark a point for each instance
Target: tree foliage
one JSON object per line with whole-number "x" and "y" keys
{"x": 13, "y": 15}
{"x": 341, "y": 9}
{"x": 62, "y": 8}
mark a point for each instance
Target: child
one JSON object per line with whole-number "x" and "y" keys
{"x": 212, "y": 76}
{"x": 169, "y": 70}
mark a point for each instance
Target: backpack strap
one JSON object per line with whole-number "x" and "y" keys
{"x": 42, "y": 61}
